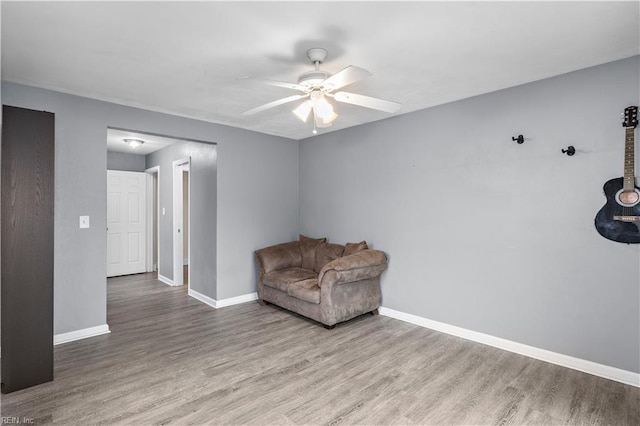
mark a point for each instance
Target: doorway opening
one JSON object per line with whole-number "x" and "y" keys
{"x": 185, "y": 225}
{"x": 181, "y": 214}
{"x": 153, "y": 218}
{"x": 179, "y": 180}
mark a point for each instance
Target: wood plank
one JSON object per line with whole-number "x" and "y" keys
{"x": 172, "y": 359}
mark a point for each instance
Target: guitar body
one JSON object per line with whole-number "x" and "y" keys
{"x": 615, "y": 230}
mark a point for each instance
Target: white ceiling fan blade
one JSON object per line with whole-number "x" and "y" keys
{"x": 284, "y": 84}
{"x": 349, "y": 75}
{"x": 273, "y": 104}
{"x": 367, "y": 102}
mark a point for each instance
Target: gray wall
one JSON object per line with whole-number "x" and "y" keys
{"x": 202, "y": 174}
{"x": 257, "y": 196}
{"x": 486, "y": 234}
{"x": 125, "y": 162}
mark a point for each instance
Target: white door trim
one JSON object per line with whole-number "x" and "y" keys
{"x": 150, "y": 172}
{"x": 178, "y": 167}
{"x": 187, "y": 167}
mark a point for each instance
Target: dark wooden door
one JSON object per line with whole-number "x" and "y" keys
{"x": 27, "y": 248}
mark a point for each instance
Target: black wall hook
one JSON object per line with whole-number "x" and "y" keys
{"x": 569, "y": 151}
{"x": 519, "y": 139}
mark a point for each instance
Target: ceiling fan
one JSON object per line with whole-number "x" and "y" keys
{"x": 316, "y": 86}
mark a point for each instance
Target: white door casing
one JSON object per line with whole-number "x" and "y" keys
{"x": 126, "y": 223}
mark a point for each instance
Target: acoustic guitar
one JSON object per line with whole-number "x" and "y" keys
{"x": 619, "y": 219}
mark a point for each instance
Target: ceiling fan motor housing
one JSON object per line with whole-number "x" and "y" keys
{"x": 313, "y": 79}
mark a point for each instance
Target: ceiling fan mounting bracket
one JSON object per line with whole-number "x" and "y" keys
{"x": 317, "y": 54}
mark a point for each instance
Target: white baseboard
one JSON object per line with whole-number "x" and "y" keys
{"x": 223, "y": 302}
{"x": 237, "y": 300}
{"x": 204, "y": 299}
{"x": 165, "y": 280}
{"x": 590, "y": 367}
{"x": 85, "y": 333}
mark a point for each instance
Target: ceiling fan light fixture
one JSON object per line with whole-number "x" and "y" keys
{"x": 324, "y": 109}
{"x": 330, "y": 119}
{"x": 320, "y": 122}
{"x": 133, "y": 143}
{"x": 302, "y": 112}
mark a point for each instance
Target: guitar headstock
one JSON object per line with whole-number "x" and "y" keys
{"x": 630, "y": 117}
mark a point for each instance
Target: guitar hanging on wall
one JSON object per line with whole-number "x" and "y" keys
{"x": 619, "y": 219}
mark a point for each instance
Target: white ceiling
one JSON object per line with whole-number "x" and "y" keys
{"x": 116, "y": 137}
{"x": 184, "y": 58}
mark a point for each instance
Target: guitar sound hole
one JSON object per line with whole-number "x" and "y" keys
{"x": 628, "y": 198}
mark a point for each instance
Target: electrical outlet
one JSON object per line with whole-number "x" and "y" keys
{"x": 84, "y": 221}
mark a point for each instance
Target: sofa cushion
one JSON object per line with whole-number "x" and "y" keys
{"x": 359, "y": 266}
{"x": 281, "y": 256}
{"x": 308, "y": 247}
{"x": 306, "y": 290}
{"x": 281, "y": 279}
{"x": 351, "y": 248}
{"x": 326, "y": 253}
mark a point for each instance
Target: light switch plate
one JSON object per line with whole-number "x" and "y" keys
{"x": 84, "y": 221}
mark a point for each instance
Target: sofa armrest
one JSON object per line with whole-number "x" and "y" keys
{"x": 280, "y": 256}
{"x": 358, "y": 266}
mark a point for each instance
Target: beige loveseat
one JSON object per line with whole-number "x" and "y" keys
{"x": 328, "y": 283}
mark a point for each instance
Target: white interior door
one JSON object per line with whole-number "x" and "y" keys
{"x": 126, "y": 223}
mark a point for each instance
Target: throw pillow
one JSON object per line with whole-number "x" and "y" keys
{"x": 351, "y": 248}
{"x": 308, "y": 247}
{"x": 326, "y": 253}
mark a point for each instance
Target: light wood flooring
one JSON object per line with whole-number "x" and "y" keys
{"x": 172, "y": 359}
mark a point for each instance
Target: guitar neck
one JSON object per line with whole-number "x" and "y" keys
{"x": 629, "y": 157}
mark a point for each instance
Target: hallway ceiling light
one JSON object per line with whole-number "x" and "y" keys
{"x": 133, "y": 143}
